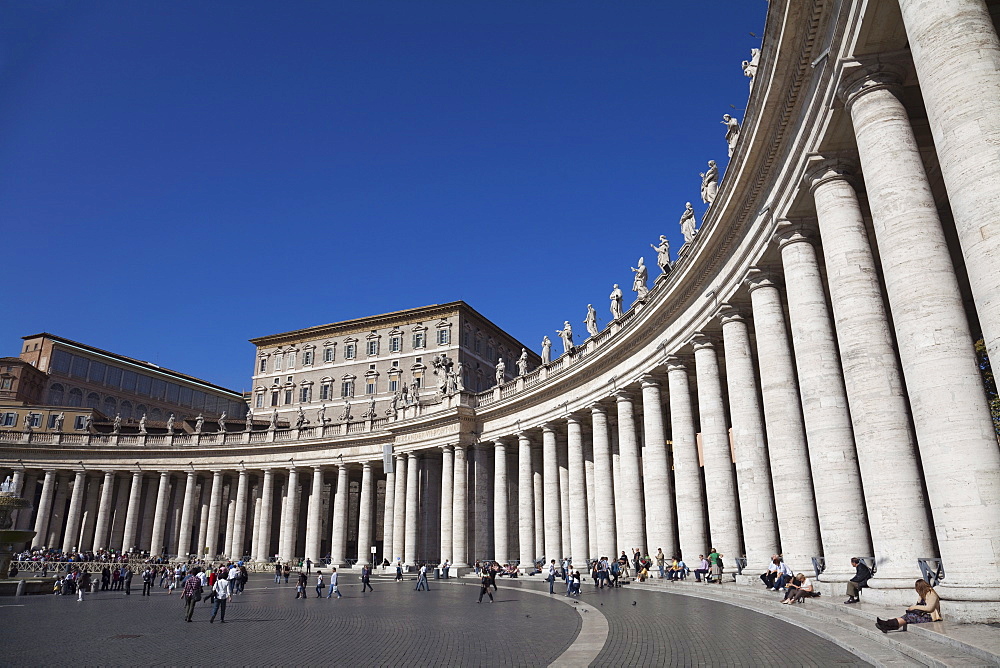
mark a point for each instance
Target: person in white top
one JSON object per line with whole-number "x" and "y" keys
{"x": 222, "y": 596}
{"x": 319, "y": 584}
{"x": 333, "y": 584}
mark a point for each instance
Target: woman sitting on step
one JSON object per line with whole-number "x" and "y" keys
{"x": 927, "y": 609}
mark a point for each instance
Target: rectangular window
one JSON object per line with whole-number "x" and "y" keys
{"x": 129, "y": 379}
{"x": 277, "y": 362}
{"x": 79, "y": 422}
{"x": 373, "y": 347}
{"x": 307, "y": 358}
{"x": 263, "y": 365}
{"x": 288, "y": 397}
{"x": 97, "y": 371}
{"x": 173, "y": 392}
{"x": 6, "y": 383}
{"x": 395, "y": 344}
{"x": 34, "y": 420}
{"x": 370, "y": 387}
{"x": 324, "y": 392}
{"x": 350, "y": 350}
{"x": 418, "y": 339}
{"x": 9, "y": 419}
{"x": 347, "y": 388}
{"x": 144, "y": 385}
{"x": 305, "y": 394}
{"x": 185, "y": 399}
{"x": 198, "y": 400}
{"x": 274, "y": 398}
{"x": 259, "y": 400}
{"x": 419, "y": 381}
{"x": 61, "y": 361}
{"x": 114, "y": 377}
{"x": 159, "y": 388}
{"x": 52, "y": 420}
{"x": 80, "y": 365}
{"x": 212, "y": 404}
{"x": 394, "y": 385}
{"x": 290, "y": 361}
{"x": 444, "y": 337}
{"x": 466, "y": 337}
{"x": 328, "y": 354}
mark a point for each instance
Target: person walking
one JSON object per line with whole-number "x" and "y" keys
{"x": 333, "y": 583}
{"x": 147, "y": 581}
{"x": 223, "y": 594}
{"x": 82, "y": 583}
{"x": 319, "y": 584}
{"x": 366, "y": 574}
{"x": 399, "y": 571}
{"x": 309, "y": 565}
{"x": 422, "y": 578}
{"x": 277, "y": 574}
{"x": 191, "y": 594}
{"x": 484, "y": 586}
{"x": 300, "y": 585}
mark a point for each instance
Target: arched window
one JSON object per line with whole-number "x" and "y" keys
{"x": 94, "y": 400}
{"x": 56, "y": 393}
{"x": 126, "y": 409}
{"x": 140, "y": 410}
{"x": 76, "y": 397}
{"x": 157, "y": 415}
{"x": 110, "y": 406}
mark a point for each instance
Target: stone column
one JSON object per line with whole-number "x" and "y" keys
{"x": 262, "y": 552}
{"x": 879, "y": 409}
{"x": 460, "y": 509}
{"x": 753, "y": 476}
{"x": 314, "y": 521}
{"x": 538, "y": 487}
{"x": 552, "y": 510}
{"x": 214, "y": 516}
{"x": 58, "y": 517}
{"x": 240, "y": 519}
{"x": 795, "y": 503}
{"x": 366, "y": 502}
{"x": 935, "y": 344}
{"x": 20, "y": 517}
{"x": 956, "y": 53}
{"x": 687, "y": 473}
{"x": 389, "y": 516}
{"x": 562, "y": 454}
{"x": 290, "y": 515}
{"x": 102, "y": 532}
{"x": 412, "y": 471}
{"x": 338, "y": 539}
{"x": 720, "y": 482}
{"x": 255, "y": 521}
{"x": 579, "y": 529}
{"x": 633, "y": 531}
{"x": 603, "y": 483}
{"x": 481, "y": 494}
{"x": 658, "y": 490}
{"x": 145, "y": 531}
{"x": 187, "y": 516}
{"x": 447, "y": 499}
{"x": 399, "y": 521}
{"x": 500, "y": 500}
{"x": 132, "y": 517}
{"x": 592, "y": 507}
{"x": 45, "y": 507}
{"x": 160, "y": 516}
{"x": 204, "y": 506}
{"x": 525, "y": 503}
{"x": 71, "y": 539}
{"x": 118, "y": 514}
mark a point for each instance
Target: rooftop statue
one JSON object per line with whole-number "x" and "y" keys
{"x": 616, "y": 302}
{"x": 710, "y": 183}
{"x": 688, "y": 223}
{"x": 591, "y": 321}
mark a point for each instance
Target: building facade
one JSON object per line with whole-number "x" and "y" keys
{"x": 815, "y": 340}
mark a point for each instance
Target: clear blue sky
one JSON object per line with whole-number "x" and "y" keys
{"x": 177, "y": 177}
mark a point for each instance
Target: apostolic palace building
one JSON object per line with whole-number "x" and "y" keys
{"x": 802, "y": 381}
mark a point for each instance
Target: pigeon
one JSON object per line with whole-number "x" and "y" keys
{"x": 633, "y": 602}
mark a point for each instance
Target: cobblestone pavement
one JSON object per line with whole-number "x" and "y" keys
{"x": 397, "y": 626}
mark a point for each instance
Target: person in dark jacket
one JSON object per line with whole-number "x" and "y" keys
{"x": 859, "y": 581}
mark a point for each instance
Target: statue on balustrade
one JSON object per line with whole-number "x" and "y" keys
{"x": 688, "y": 223}
{"x": 300, "y": 419}
{"x": 248, "y": 423}
{"x": 199, "y": 422}
{"x": 58, "y": 424}
{"x": 170, "y": 425}
{"x": 732, "y": 132}
{"x": 460, "y": 377}
{"x": 142, "y": 424}
{"x": 710, "y": 183}
{"x": 501, "y": 371}
{"x": 7, "y": 487}
{"x": 566, "y": 334}
{"x": 546, "y": 350}
{"x": 442, "y": 367}
{"x": 273, "y": 424}
{"x": 321, "y": 418}
{"x": 639, "y": 283}
{"x": 750, "y": 66}
{"x": 116, "y": 426}
{"x": 415, "y": 391}
{"x": 522, "y": 363}
{"x": 663, "y": 255}
{"x": 616, "y": 302}
{"x": 370, "y": 414}
{"x": 346, "y": 415}
{"x": 396, "y": 403}
{"x": 88, "y": 420}
{"x": 591, "y": 320}
{"x": 222, "y": 423}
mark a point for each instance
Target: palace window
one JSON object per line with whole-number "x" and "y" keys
{"x": 288, "y": 396}
{"x": 259, "y": 400}
{"x": 263, "y": 365}
{"x": 307, "y": 358}
{"x": 444, "y": 337}
{"x": 418, "y": 339}
{"x": 347, "y": 388}
{"x": 393, "y": 384}
{"x": 324, "y": 391}
{"x": 370, "y": 386}
{"x": 328, "y": 354}
{"x": 9, "y": 419}
{"x": 274, "y": 398}
{"x": 79, "y": 422}
{"x": 290, "y": 363}
{"x": 277, "y": 362}
{"x": 395, "y": 344}
{"x": 373, "y": 347}
{"x": 305, "y": 394}
{"x": 350, "y": 351}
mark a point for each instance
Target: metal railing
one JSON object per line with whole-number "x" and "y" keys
{"x": 931, "y": 569}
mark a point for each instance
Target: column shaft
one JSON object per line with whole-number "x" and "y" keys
{"x": 366, "y": 505}
{"x": 314, "y": 523}
{"x": 187, "y": 516}
{"x": 461, "y": 509}
{"x": 553, "y": 506}
{"x": 633, "y": 530}
{"x": 500, "y": 550}
{"x": 447, "y": 500}
{"x": 525, "y": 503}
{"x": 538, "y": 487}
{"x": 290, "y": 516}
{"x": 579, "y": 529}
{"x": 102, "y": 533}
{"x": 240, "y": 518}
{"x": 160, "y": 515}
{"x": 214, "y": 516}
{"x": 263, "y": 550}
{"x": 399, "y": 522}
{"x": 389, "y": 516}
{"x": 71, "y": 539}
{"x": 687, "y": 474}
{"x": 412, "y": 497}
{"x": 658, "y": 490}
{"x": 132, "y": 516}
{"x": 57, "y": 520}
{"x": 45, "y": 508}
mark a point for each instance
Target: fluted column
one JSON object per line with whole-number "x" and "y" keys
{"x": 934, "y": 342}
{"x": 102, "y": 532}
{"x": 603, "y": 483}
{"x": 214, "y": 515}
{"x": 447, "y": 500}
{"x": 553, "y": 507}
{"x": 314, "y": 519}
{"x": 525, "y": 502}
{"x": 794, "y": 500}
{"x": 45, "y": 507}
{"x": 262, "y": 552}
{"x": 500, "y": 501}
{"x": 160, "y": 515}
{"x": 365, "y": 506}
{"x": 412, "y": 508}
{"x": 579, "y": 529}
{"x": 461, "y": 509}
{"x": 132, "y": 518}
{"x": 240, "y": 519}
{"x": 753, "y": 476}
{"x": 629, "y": 496}
{"x": 879, "y": 409}
{"x": 690, "y": 495}
{"x": 290, "y": 515}
{"x": 658, "y": 491}
{"x": 58, "y": 519}
{"x": 956, "y": 53}
{"x": 399, "y": 522}
{"x": 187, "y": 516}
{"x": 389, "y": 515}
{"x": 720, "y": 482}
{"x": 74, "y": 518}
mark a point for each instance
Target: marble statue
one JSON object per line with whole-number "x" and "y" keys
{"x": 7, "y": 486}
{"x": 639, "y": 283}
{"x": 460, "y": 377}
{"x": 397, "y": 403}
{"x": 616, "y": 302}
{"x": 414, "y": 391}
{"x": 321, "y": 415}
{"x": 566, "y": 334}
{"x": 273, "y": 424}
{"x": 60, "y": 418}
{"x": 546, "y": 350}
{"x": 87, "y": 421}
{"x": 501, "y": 371}
{"x": 300, "y": 419}
{"x": 750, "y": 66}
{"x": 346, "y": 415}
{"x": 170, "y": 424}
{"x": 222, "y": 423}
{"x": 710, "y": 183}
{"x": 663, "y": 255}
{"x": 522, "y": 363}
{"x": 248, "y": 422}
{"x": 199, "y": 422}
{"x": 117, "y": 425}
{"x": 732, "y": 132}
{"x": 370, "y": 413}
{"x": 27, "y": 423}
{"x": 591, "y": 321}
{"x": 688, "y": 223}
{"x": 442, "y": 367}
{"x": 142, "y": 424}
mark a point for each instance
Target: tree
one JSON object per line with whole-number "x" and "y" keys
{"x": 989, "y": 383}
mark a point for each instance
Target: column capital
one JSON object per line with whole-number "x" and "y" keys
{"x": 550, "y": 427}
{"x": 860, "y": 78}
{"x": 702, "y": 341}
{"x": 757, "y": 277}
{"x": 622, "y": 396}
{"x": 413, "y": 456}
{"x": 366, "y": 465}
{"x": 790, "y": 231}
{"x": 648, "y": 380}
{"x": 573, "y": 418}
{"x": 728, "y": 313}
{"x": 675, "y": 363}
{"x": 597, "y": 408}
{"x": 823, "y": 169}
{"x": 445, "y": 448}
